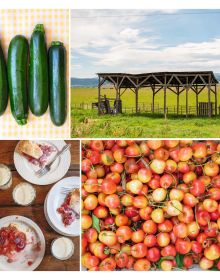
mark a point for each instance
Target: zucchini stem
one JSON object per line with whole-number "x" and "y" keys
{"x": 39, "y": 28}
{"x": 56, "y": 43}
{"x": 22, "y": 121}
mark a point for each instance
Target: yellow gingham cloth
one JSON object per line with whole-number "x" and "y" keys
{"x": 56, "y": 24}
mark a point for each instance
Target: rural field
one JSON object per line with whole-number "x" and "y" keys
{"x": 87, "y": 124}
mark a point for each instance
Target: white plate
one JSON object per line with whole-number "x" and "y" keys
{"x": 53, "y": 201}
{"x": 33, "y": 232}
{"x": 58, "y": 170}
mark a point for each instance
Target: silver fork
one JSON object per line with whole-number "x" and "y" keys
{"x": 66, "y": 190}
{"x": 41, "y": 172}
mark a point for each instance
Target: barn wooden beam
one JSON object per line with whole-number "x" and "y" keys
{"x": 187, "y": 84}
{"x": 123, "y": 92}
{"x": 121, "y": 81}
{"x": 113, "y": 81}
{"x": 212, "y": 90}
{"x": 193, "y": 89}
{"x": 157, "y": 90}
{"x": 142, "y": 82}
{"x": 171, "y": 89}
{"x": 182, "y": 90}
{"x": 204, "y": 82}
{"x": 193, "y": 81}
{"x": 102, "y": 81}
{"x": 201, "y": 89}
{"x": 132, "y": 89}
{"x": 169, "y": 81}
{"x": 180, "y": 83}
{"x": 133, "y": 83}
{"x": 159, "y": 82}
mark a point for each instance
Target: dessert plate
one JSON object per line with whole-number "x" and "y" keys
{"x": 29, "y": 258}
{"x": 54, "y": 200}
{"x": 59, "y": 168}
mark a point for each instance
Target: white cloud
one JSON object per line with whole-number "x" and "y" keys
{"x": 129, "y": 33}
{"x": 189, "y": 56}
{"x": 122, "y": 44}
{"x": 90, "y": 28}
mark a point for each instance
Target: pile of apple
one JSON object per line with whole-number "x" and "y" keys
{"x": 150, "y": 205}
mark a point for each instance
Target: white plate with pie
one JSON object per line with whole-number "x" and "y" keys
{"x": 26, "y": 168}
{"x": 54, "y": 200}
{"x": 31, "y": 255}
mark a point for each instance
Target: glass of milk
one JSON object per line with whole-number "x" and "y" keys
{"x": 24, "y": 194}
{"x": 62, "y": 248}
{"x": 5, "y": 177}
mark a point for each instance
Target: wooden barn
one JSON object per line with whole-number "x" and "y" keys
{"x": 176, "y": 82}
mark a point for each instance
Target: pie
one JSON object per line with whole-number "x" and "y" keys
{"x": 12, "y": 241}
{"x": 70, "y": 208}
{"x": 37, "y": 154}
{"x": 29, "y": 148}
{"x": 75, "y": 200}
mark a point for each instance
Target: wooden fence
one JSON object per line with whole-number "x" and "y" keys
{"x": 144, "y": 108}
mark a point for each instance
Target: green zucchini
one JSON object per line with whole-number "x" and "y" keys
{"x": 38, "y": 75}
{"x": 57, "y": 80}
{"x": 17, "y": 78}
{"x": 3, "y": 83}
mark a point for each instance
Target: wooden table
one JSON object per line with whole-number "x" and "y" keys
{"x": 36, "y": 210}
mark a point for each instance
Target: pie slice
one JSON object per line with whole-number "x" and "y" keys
{"x": 70, "y": 207}
{"x": 12, "y": 241}
{"x": 75, "y": 200}
{"x": 29, "y": 148}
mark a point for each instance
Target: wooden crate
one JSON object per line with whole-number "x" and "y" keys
{"x": 203, "y": 108}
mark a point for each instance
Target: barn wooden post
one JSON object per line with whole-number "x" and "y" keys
{"x": 197, "y": 104}
{"x": 187, "y": 90}
{"x": 153, "y": 91}
{"x": 209, "y": 98}
{"x": 197, "y": 101}
{"x": 178, "y": 100}
{"x": 136, "y": 99}
{"x": 116, "y": 97}
{"x": 165, "y": 97}
{"x": 216, "y": 101}
{"x": 99, "y": 97}
{"x": 116, "y": 88}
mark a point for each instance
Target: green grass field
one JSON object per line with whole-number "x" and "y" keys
{"x": 87, "y": 124}
{"x": 89, "y": 95}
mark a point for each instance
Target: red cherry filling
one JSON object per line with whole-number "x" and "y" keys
{"x": 47, "y": 151}
{"x": 67, "y": 214}
{"x": 11, "y": 240}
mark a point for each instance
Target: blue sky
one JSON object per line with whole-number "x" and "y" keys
{"x": 138, "y": 41}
